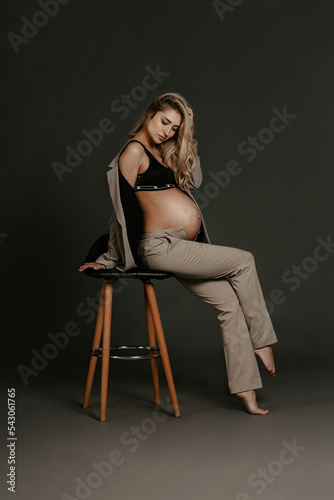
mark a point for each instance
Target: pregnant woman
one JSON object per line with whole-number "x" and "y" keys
{"x": 157, "y": 223}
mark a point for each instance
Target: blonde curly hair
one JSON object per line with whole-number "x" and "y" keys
{"x": 179, "y": 152}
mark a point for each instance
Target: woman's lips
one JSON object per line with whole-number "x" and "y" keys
{"x": 161, "y": 138}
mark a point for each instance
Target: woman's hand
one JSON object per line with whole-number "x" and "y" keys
{"x": 94, "y": 265}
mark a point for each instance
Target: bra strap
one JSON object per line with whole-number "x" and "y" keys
{"x": 146, "y": 150}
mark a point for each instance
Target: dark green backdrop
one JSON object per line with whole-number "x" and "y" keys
{"x": 268, "y": 182}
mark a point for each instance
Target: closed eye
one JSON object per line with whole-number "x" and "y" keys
{"x": 166, "y": 123}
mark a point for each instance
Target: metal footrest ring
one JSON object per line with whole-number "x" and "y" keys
{"x": 149, "y": 355}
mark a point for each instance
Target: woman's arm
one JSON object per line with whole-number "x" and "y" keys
{"x": 130, "y": 161}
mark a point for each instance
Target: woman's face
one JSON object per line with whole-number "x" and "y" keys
{"x": 164, "y": 125}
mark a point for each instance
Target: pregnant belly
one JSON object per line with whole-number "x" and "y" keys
{"x": 169, "y": 208}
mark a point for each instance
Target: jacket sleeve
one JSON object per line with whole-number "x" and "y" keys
{"x": 196, "y": 179}
{"x": 112, "y": 257}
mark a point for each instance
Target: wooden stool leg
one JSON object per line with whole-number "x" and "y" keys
{"x": 105, "y": 350}
{"x": 96, "y": 344}
{"x": 152, "y": 342}
{"x": 162, "y": 345}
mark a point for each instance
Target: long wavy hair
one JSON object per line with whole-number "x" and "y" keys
{"x": 179, "y": 152}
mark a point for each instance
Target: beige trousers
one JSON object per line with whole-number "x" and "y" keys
{"x": 225, "y": 278}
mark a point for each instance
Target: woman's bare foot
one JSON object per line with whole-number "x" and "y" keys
{"x": 267, "y": 358}
{"x": 249, "y": 399}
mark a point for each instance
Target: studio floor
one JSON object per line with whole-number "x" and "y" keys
{"x": 215, "y": 451}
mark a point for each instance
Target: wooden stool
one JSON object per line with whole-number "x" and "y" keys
{"x": 103, "y": 331}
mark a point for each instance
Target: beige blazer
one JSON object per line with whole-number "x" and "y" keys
{"x": 119, "y": 253}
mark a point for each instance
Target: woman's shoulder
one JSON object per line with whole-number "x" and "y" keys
{"x": 133, "y": 150}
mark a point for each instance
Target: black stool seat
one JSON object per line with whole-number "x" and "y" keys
{"x": 141, "y": 273}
